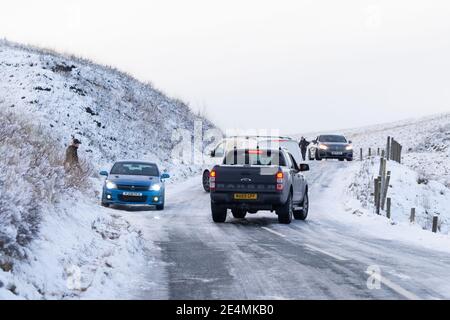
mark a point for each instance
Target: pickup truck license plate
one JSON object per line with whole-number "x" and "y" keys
{"x": 245, "y": 196}
{"x": 337, "y": 153}
{"x": 132, "y": 194}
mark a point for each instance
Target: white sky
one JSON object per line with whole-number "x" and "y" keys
{"x": 294, "y": 65}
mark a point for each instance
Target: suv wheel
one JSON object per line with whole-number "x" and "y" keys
{"x": 317, "y": 156}
{"x": 286, "y": 211}
{"x": 219, "y": 213}
{"x": 238, "y": 213}
{"x": 205, "y": 181}
{"x": 303, "y": 213}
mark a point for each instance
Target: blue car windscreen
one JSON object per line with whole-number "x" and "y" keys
{"x": 135, "y": 169}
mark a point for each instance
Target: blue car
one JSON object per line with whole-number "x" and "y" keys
{"x": 134, "y": 183}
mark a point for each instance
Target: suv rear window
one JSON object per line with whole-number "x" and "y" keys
{"x": 255, "y": 158}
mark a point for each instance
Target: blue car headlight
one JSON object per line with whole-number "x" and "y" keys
{"x": 110, "y": 185}
{"x": 156, "y": 187}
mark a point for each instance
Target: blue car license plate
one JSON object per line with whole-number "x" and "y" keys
{"x": 132, "y": 194}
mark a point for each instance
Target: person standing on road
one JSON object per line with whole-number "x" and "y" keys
{"x": 304, "y": 147}
{"x": 71, "y": 160}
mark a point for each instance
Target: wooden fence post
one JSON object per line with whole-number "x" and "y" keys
{"x": 378, "y": 196}
{"x": 385, "y": 189}
{"x": 388, "y": 208}
{"x": 375, "y": 192}
{"x": 412, "y": 217}
{"x": 370, "y": 152}
{"x": 361, "y": 154}
{"x": 435, "y": 224}
{"x": 388, "y": 148}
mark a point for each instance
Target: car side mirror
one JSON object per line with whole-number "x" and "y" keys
{"x": 165, "y": 176}
{"x": 304, "y": 167}
{"x": 104, "y": 173}
{"x": 350, "y": 142}
{"x": 213, "y": 153}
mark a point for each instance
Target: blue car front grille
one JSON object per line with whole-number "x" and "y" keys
{"x": 132, "y": 188}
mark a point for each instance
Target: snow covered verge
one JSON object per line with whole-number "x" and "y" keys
{"x": 407, "y": 190}
{"x": 53, "y": 244}
{"x": 56, "y": 241}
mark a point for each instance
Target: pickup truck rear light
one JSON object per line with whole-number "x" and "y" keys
{"x": 280, "y": 177}
{"x": 212, "y": 180}
{"x": 280, "y": 181}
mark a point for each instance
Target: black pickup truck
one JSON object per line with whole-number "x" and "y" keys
{"x": 249, "y": 181}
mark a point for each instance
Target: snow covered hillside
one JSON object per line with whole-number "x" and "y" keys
{"x": 114, "y": 115}
{"x": 426, "y": 144}
{"x": 55, "y": 240}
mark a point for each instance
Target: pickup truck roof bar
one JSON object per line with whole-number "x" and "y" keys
{"x": 265, "y": 137}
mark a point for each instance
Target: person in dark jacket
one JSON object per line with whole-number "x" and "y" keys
{"x": 71, "y": 160}
{"x": 304, "y": 147}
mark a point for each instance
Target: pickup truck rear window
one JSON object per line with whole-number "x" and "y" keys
{"x": 255, "y": 158}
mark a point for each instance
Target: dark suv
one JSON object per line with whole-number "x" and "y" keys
{"x": 331, "y": 147}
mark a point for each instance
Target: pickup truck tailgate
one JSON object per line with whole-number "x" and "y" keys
{"x": 246, "y": 178}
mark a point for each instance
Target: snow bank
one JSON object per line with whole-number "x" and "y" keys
{"x": 55, "y": 241}
{"x": 407, "y": 190}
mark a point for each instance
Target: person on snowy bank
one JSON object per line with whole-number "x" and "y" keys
{"x": 303, "y": 147}
{"x": 72, "y": 161}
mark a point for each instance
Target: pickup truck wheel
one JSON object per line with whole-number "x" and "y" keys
{"x": 205, "y": 180}
{"x": 310, "y": 156}
{"x": 219, "y": 213}
{"x": 286, "y": 211}
{"x": 239, "y": 214}
{"x": 303, "y": 214}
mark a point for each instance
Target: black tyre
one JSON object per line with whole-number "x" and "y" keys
{"x": 205, "y": 180}
{"x": 341, "y": 160}
{"x": 105, "y": 205}
{"x": 286, "y": 211}
{"x": 239, "y": 214}
{"x": 160, "y": 207}
{"x": 317, "y": 157}
{"x": 219, "y": 213}
{"x": 303, "y": 214}
{"x": 310, "y": 156}
{"x": 350, "y": 159}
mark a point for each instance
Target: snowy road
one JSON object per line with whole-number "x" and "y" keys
{"x": 256, "y": 258}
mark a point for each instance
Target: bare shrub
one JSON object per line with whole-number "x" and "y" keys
{"x": 32, "y": 178}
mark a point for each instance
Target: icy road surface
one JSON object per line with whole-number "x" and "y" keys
{"x": 325, "y": 257}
